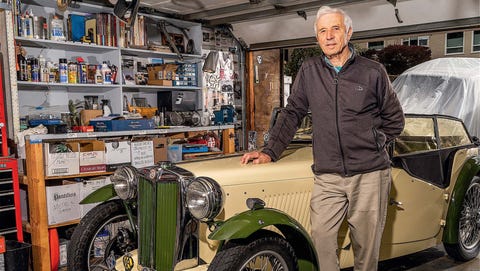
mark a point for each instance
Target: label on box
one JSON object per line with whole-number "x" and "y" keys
{"x": 142, "y": 153}
{"x": 63, "y": 203}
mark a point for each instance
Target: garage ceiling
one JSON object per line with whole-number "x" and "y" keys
{"x": 215, "y": 12}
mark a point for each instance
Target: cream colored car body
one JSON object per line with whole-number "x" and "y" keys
{"x": 414, "y": 225}
{"x": 416, "y": 213}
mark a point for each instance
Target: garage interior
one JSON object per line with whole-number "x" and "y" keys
{"x": 183, "y": 81}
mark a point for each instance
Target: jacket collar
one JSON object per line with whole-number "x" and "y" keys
{"x": 349, "y": 60}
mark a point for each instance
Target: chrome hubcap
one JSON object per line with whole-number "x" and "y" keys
{"x": 265, "y": 261}
{"x": 469, "y": 225}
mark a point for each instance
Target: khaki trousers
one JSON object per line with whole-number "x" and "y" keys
{"x": 361, "y": 199}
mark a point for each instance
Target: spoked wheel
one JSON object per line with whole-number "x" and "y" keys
{"x": 268, "y": 253}
{"x": 265, "y": 260}
{"x": 468, "y": 246}
{"x": 103, "y": 235}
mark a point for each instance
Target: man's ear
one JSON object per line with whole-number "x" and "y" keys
{"x": 349, "y": 33}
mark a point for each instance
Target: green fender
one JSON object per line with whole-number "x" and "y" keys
{"x": 102, "y": 194}
{"x": 470, "y": 169}
{"x": 245, "y": 224}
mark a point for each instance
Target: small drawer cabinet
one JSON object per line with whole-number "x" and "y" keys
{"x": 10, "y": 216}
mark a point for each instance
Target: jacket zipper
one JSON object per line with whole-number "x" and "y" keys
{"x": 335, "y": 82}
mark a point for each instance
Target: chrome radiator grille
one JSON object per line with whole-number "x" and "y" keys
{"x": 158, "y": 215}
{"x": 167, "y": 233}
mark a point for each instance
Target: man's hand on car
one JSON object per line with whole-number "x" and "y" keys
{"x": 256, "y": 157}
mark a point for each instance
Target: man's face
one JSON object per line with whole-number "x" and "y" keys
{"x": 332, "y": 35}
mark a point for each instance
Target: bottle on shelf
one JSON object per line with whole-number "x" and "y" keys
{"x": 98, "y": 75}
{"x": 106, "y": 74}
{"x": 56, "y": 29}
{"x": 27, "y": 26}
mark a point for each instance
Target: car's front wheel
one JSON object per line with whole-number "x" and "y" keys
{"x": 468, "y": 246}
{"x": 272, "y": 253}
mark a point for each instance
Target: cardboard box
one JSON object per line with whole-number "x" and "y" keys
{"x": 61, "y": 158}
{"x": 87, "y": 187}
{"x": 117, "y": 154}
{"x": 142, "y": 153}
{"x": 161, "y": 74}
{"x": 63, "y": 202}
{"x": 92, "y": 156}
{"x": 87, "y": 114}
{"x": 160, "y": 149}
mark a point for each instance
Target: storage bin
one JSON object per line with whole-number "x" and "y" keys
{"x": 17, "y": 256}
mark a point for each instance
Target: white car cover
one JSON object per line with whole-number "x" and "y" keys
{"x": 448, "y": 86}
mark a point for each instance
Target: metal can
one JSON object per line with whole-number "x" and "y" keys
{"x": 62, "y": 71}
{"x": 82, "y": 73}
{"x": 72, "y": 73}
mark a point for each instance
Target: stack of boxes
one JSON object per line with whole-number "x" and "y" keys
{"x": 84, "y": 156}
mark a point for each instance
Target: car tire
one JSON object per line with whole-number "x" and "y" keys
{"x": 468, "y": 246}
{"x": 239, "y": 256}
{"x": 81, "y": 248}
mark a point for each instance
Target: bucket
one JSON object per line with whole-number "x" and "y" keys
{"x": 17, "y": 256}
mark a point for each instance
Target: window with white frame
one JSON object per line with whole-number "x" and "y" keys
{"x": 454, "y": 43}
{"x": 377, "y": 45}
{"x": 416, "y": 41}
{"x": 476, "y": 41}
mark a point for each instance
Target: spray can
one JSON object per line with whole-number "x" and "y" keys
{"x": 81, "y": 71}
{"x": 62, "y": 71}
{"x": 35, "y": 70}
{"x": 72, "y": 73}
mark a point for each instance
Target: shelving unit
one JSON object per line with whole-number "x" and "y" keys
{"x": 58, "y": 94}
{"x": 36, "y": 180}
{"x": 36, "y": 95}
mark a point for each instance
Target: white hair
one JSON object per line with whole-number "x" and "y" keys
{"x": 328, "y": 10}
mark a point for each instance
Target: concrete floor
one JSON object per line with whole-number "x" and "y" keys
{"x": 432, "y": 259}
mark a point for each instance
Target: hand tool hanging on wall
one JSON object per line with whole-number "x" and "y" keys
{"x": 190, "y": 48}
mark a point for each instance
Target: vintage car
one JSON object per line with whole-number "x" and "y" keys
{"x": 220, "y": 215}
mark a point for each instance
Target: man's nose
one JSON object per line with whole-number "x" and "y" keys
{"x": 329, "y": 34}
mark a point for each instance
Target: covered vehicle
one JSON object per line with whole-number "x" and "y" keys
{"x": 219, "y": 215}
{"x": 449, "y": 86}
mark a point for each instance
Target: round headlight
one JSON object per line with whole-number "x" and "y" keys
{"x": 125, "y": 182}
{"x": 204, "y": 198}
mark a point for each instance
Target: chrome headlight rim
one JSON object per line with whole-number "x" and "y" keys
{"x": 125, "y": 182}
{"x": 204, "y": 198}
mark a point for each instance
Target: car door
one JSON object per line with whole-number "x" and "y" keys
{"x": 417, "y": 198}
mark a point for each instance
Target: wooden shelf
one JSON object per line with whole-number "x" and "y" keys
{"x": 163, "y": 131}
{"x": 83, "y": 175}
{"x": 68, "y": 223}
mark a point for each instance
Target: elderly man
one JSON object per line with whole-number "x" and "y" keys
{"x": 355, "y": 114}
